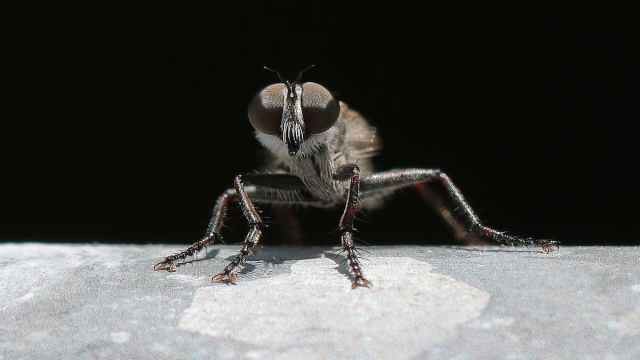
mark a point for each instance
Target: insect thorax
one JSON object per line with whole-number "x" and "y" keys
{"x": 314, "y": 165}
{"x": 350, "y": 140}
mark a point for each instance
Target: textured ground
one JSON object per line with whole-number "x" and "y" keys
{"x": 98, "y": 301}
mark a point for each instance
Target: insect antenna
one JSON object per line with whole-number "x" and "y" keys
{"x": 303, "y": 71}
{"x": 282, "y": 79}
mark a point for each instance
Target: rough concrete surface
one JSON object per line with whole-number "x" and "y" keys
{"x": 100, "y": 301}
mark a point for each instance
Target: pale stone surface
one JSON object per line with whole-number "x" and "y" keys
{"x": 99, "y": 301}
{"x": 315, "y": 306}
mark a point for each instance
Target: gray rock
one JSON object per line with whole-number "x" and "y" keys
{"x": 101, "y": 301}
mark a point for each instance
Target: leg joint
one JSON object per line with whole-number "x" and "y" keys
{"x": 229, "y": 193}
{"x": 434, "y": 174}
{"x": 346, "y": 172}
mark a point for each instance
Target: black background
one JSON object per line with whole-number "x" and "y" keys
{"x": 123, "y": 125}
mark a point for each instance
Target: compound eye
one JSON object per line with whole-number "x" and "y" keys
{"x": 265, "y": 110}
{"x": 320, "y": 109}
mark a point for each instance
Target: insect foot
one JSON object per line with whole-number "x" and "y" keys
{"x": 165, "y": 265}
{"x": 229, "y": 278}
{"x": 360, "y": 282}
{"x": 549, "y": 246}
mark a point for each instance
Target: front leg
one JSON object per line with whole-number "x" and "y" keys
{"x": 346, "y": 228}
{"x": 256, "y": 226}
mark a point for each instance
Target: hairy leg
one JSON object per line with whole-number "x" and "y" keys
{"x": 459, "y": 216}
{"x": 213, "y": 232}
{"x": 346, "y": 229}
{"x": 256, "y": 226}
{"x": 268, "y": 188}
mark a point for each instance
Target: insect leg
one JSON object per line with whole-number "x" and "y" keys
{"x": 272, "y": 188}
{"x": 212, "y": 233}
{"x": 346, "y": 228}
{"x": 460, "y": 216}
{"x": 256, "y": 226}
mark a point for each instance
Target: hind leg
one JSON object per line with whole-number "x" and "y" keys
{"x": 459, "y": 215}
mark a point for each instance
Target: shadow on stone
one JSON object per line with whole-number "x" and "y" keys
{"x": 505, "y": 250}
{"x": 341, "y": 261}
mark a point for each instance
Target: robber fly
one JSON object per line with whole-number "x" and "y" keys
{"x": 321, "y": 157}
